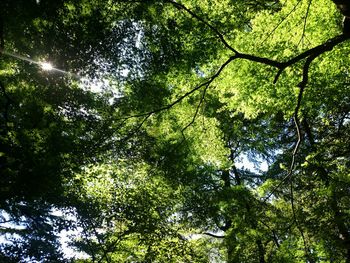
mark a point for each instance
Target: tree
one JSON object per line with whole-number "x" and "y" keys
{"x": 150, "y": 165}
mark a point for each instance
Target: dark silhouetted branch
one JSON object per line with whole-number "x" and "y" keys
{"x": 214, "y": 29}
{"x": 179, "y": 99}
{"x": 213, "y": 235}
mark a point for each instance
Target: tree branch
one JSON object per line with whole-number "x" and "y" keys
{"x": 318, "y": 50}
{"x": 305, "y": 21}
{"x": 212, "y": 235}
{"x": 197, "y": 110}
{"x": 214, "y": 29}
{"x": 283, "y": 19}
{"x": 315, "y": 51}
{"x": 302, "y": 86}
{"x": 179, "y": 99}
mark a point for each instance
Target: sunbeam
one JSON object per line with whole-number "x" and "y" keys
{"x": 44, "y": 65}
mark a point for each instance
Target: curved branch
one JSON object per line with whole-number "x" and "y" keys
{"x": 179, "y": 99}
{"x": 318, "y": 50}
{"x": 213, "y": 235}
{"x": 305, "y": 21}
{"x": 261, "y": 60}
{"x": 302, "y": 86}
{"x": 309, "y": 55}
{"x": 280, "y": 23}
{"x": 197, "y": 111}
{"x": 315, "y": 51}
{"x": 214, "y": 29}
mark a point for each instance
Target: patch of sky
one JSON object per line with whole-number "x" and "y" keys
{"x": 258, "y": 165}
{"x": 66, "y": 236}
{"x": 11, "y": 226}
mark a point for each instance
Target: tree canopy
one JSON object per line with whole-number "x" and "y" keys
{"x": 175, "y": 131}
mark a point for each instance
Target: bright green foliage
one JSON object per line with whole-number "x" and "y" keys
{"x": 131, "y": 217}
{"x": 142, "y": 134}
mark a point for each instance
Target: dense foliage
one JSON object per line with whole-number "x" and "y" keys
{"x": 174, "y": 131}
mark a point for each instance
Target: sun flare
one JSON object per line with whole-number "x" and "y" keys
{"x": 46, "y": 66}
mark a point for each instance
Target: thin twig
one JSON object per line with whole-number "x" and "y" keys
{"x": 138, "y": 127}
{"x": 179, "y": 99}
{"x": 197, "y": 109}
{"x": 214, "y": 29}
{"x": 194, "y": 116}
{"x": 283, "y": 19}
{"x": 305, "y": 21}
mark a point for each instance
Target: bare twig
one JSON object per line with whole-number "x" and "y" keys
{"x": 135, "y": 130}
{"x": 305, "y": 21}
{"x": 280, "y": 23}
{"x": 197, "y": 110}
